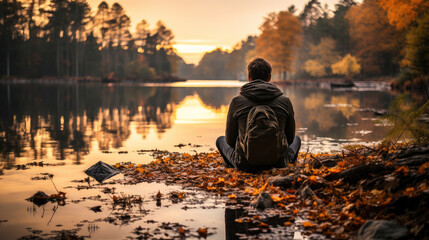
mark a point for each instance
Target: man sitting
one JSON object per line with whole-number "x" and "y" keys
{"x": 260, "y": 126}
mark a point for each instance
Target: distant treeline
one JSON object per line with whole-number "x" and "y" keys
{"x": 369, "y": 39}
{"x": 61, "y": 38}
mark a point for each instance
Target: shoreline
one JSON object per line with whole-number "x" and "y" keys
{"x": 94, "y": 80}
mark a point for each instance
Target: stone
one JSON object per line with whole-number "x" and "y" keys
{"x": 382, "y": 230}
{"x": 101, "y": 171}
{"x": 307, "y": 193}
{"x": 40, "y": 198}
{"x": 263, "y": 201}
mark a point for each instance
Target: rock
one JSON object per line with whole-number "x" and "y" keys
{"x": 307, "y": 193}
{"x": 40, "y": 198}
{"x": 382, "y": 230}
{"x": 101, "y": 171}
{"x": 281, "y": 181}
{"x": 263, "y": 201}
{"x": 96, "y": 208}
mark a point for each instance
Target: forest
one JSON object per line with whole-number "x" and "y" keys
{"x": 372, "y": 39}
{"x": 61, "y": 38}
{"x": 64, "y": 38}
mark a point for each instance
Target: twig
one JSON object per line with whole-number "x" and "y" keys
{"x": 53, "y": 183}
{"x": 305, "y": 158}
{"x": 55, "y": 210}
{"x": 313, "y": 157}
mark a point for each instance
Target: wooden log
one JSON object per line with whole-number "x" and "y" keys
{"x": 354, "y": 174}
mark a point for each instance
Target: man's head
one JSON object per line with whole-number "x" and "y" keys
{"x": 259, "y": 68}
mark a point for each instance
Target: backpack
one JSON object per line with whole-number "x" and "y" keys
{"x": 262, "y": 143}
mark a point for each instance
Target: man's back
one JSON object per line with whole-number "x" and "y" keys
{"x": 258, "y": 141}
{"x": 255, "y": 93}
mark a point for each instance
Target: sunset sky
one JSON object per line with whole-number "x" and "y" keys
{"x": 203, "y": 25}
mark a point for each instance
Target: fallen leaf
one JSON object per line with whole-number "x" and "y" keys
{"x": 159, "y": 195}
{"x": 422, "y": 168}
{"x": 202, "y": 232}
{"x": 313, "y": 179}
{"x": 307, "y": 224}
{"x": 263, "y": 225}
{"x": 403, "y": 170}
{"x": 232, "y": 196}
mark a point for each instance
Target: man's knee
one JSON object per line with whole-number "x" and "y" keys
{"x": 297, "y": 139}
{"x": 219, "y": 140}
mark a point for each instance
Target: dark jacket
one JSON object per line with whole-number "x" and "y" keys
{"x": 255, "y": 93}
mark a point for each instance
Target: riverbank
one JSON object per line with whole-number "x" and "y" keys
{"x": 62, "y": 80}
{"x": 332, "y": 195}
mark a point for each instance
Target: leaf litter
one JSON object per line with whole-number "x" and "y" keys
{"x": 325, "y": 194}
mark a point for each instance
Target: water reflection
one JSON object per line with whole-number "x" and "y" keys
{"x": 69, "y": 121}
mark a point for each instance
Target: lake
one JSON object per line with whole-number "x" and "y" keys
{"x": 74, "y": 126}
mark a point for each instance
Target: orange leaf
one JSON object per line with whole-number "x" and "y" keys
{"x": 313, "y": 179}
{"x": 307, "y": 224}
{"x": 404, "y": 170}
{"x": 409, "y": 191}
{"x": 287, "y": 224}
{"x": 335, "y": 170}
{"x": 292, "y": 191}
{"x": 290, "y": 197}
{"x": 422, "y": 168}
{"x": 295, "y": 211}
{"x": 232, "y": 196}
{"x": 202, "y": 232}
{"x": 182, "y": 230}
{"x": 159, "y": 194}
{"x": 277, "y": 198}
{"x": 263, "y": 225}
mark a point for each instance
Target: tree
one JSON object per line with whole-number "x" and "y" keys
{"x": 10, "y": 19}
{"x": 348, "y": 66}
{"x": 375, "y": 43}
{"x": 324, "y": 53}
{"x": 79, "y": 17}
{"x": 100, "y": 21}
{"x": 142, "y": 30}
{"x": 402, "y": 13}
{"x": 237, "y": 60}
{"x": 158, "y": 45}
{"x": 341, "y": 26}
{"x": 311, "y": 12}
{"x": 57, "y": 30}
{"x": 314, "y": 68}
{"x": 212, "y": 65}
{"x": 279, "y": 39}
{"x": 417, "y": 49}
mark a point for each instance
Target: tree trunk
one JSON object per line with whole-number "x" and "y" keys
{"x": 8, "y": 61}
{"x": 58, "y": 56}
{"x": 76, "y": 57}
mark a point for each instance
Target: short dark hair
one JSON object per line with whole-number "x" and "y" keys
{"x": 259, "y": 68}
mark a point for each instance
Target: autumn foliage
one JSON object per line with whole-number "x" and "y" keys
{"x": 280, "y": 36}
{"x": 376, "y": 43}
{"x": 334, "y": 193}
{"x": 402, "y": 13}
